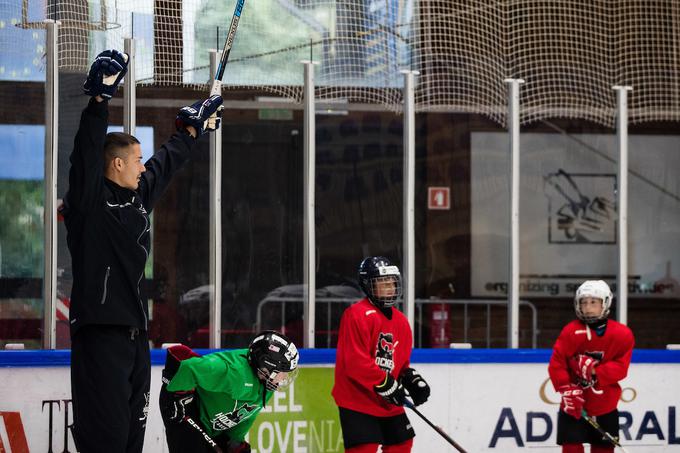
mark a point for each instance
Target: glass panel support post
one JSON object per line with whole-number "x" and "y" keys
{"x": 51, "y": 159}
{"x": 130, "y": 90}
{"x": 513, "y": 262}
{"x": 215, "y": 335}
{"x": 408, "y": 261}
{"x": 309, "y": 236}
{"x": 622, "y": 201}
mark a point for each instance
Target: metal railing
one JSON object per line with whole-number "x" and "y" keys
{"x": 420, "y": 304}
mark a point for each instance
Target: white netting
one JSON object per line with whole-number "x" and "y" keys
{"x": 569, "y": 52}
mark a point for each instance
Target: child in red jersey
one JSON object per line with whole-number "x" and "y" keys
{"x": 590, "y": 357}
{"x": 372, "y": 372}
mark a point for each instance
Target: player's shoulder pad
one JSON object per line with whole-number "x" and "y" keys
{"x": 573, "y": 325}
{"x": 621, "y": 330}
{"x": 356, "y": 310}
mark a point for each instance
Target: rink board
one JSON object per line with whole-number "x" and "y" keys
{"x": 487, "y": 400}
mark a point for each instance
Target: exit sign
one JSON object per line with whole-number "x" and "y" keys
{"x": 438, "y": 198}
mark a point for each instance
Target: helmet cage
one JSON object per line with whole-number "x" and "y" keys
{"x": 381, "y": 293}
{"x": 274, "y": 380}
{"x": 597, "y": 289}
{"x": 374, "y": 274}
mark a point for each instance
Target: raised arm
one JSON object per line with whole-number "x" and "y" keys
{"x": 192, "y": 121}
{"x": 86, "y": 176}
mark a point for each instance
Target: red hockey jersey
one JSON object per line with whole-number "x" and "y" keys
{"x": 369, "y": 344}
{"x": 613, "y": 349}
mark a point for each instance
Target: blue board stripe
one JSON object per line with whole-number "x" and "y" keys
{"x": 44, "y": 358}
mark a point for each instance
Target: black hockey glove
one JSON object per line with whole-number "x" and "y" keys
{"x": 106, "y": 72}
{"x": 201, "y": 115}
{"x": 238, "y": 447}
{"x": 229, "y": 445}
{"x": 391, "y": 390}
{"x": 415, "y": 385}
{"x": 174, "y": 405}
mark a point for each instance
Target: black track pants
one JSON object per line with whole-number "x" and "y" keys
{"x": 110, "y": 379}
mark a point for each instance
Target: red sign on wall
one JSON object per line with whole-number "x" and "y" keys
{"x": 438, "y": 198}
{"x": 16, "y": 438}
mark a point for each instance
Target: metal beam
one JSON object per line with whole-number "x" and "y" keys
{"x": 215, "y": 335}
{"x": 622, "y": 202}
{"x": 309, "y": 233}
{"x": 513, "y": 264}
{"x": 408, "y": 262}
{"x": 130, "y": 90}
{"x": 51, "y": 160}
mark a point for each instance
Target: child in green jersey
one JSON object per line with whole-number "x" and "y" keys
{"x": 209, "y": 403}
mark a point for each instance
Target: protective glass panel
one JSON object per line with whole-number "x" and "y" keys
{"x": 177, "y": 275}
{"x": 261, "y": 224}
{"x": 359, "y": 192}
{"x": 22, "y": 157}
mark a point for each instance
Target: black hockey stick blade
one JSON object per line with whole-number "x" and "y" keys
{"x": 441, "y": 432}
{"x": 209, "y": 440}
{"x": 591, "y": 421}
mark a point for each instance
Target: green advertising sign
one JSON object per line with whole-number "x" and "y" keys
{"x": 301, "y": 419}
{"x": 275, "y": 114}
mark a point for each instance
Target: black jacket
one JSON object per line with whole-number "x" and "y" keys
{"x": 108, "y": 226}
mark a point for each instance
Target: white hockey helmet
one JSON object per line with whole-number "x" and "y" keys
{"x": 597, "y": 289}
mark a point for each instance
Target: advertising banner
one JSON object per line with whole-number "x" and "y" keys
{"x": 568, "y": 213}
{"x": 485, "y": 407}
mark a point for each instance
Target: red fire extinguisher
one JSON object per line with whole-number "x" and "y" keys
{"x": 440, "y": 325}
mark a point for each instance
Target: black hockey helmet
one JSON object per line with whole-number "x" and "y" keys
{"x": 375, "y": 273}
{"x": 274, "y": 358}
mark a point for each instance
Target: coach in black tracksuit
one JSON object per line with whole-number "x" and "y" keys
{"x": 106, "y": 212}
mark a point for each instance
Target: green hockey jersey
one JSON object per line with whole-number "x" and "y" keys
{"x": 229, "y": 392}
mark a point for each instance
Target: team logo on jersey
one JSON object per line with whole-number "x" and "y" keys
{"x": 384, "y": 351}
{"x": 227, "y": 420}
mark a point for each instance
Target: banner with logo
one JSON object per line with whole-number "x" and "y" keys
{"x": 513, "y": 407}
{"x": 494, "y": 407}
{"x": 568, "y": 213}
{"x": 301, "y": 419}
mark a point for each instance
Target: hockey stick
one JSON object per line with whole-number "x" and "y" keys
{"x": 614, "y": 441}
{"x": 441, "y": 432}
{"x": 205, "y": 436}
{"x": 217, "y": 81}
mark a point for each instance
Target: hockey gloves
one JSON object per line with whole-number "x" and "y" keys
{"x": 391, "y": 390}
{"x": 174, "y": 405}
{"x": 234, "y": 446}
{"x": 572, "y": 400}
{"x": 583, "y": 367}
{"x": 201, "y": 115}
{"x": 415, "y": 385}
{"x": 106, "y": 72}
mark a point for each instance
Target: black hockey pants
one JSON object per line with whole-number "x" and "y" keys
{"x": 110, "y": 379}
